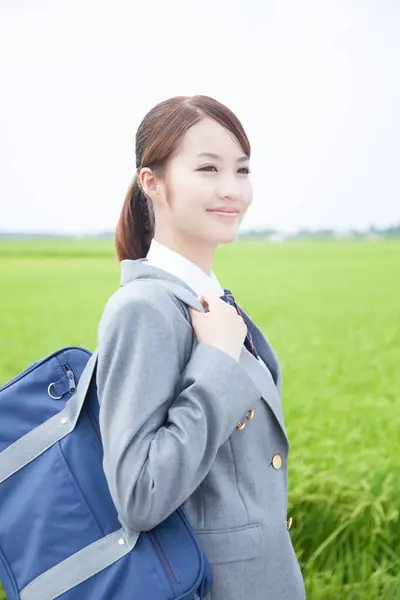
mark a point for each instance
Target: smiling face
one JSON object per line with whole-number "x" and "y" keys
{"x": 205, "y": 190}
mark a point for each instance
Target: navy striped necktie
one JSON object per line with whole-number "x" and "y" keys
{"x": 248, "y": 342}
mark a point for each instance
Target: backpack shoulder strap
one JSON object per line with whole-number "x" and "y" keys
{"x": 38, "y": 440}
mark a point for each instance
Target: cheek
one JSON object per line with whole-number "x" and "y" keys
{"x": 248, "y": 194}
{"x": 187, "y": 203}
{"x": 189, "y": 195}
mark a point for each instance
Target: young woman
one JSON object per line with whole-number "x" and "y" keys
{"x": 191, "y": 401}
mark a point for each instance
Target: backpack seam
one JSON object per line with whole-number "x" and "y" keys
{"x": 10, "y": 574}
{"x": 78, "y": 487}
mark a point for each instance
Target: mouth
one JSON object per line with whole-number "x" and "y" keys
{"x": 224, "y": 212}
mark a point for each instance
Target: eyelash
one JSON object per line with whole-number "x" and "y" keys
{"x": 247, "y": 170}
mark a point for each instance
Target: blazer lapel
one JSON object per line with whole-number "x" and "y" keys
{"x": 268, "y": 382}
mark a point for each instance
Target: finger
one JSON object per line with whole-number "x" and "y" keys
{"x": 205, "y": 304}
{"x": 211, "y": 300}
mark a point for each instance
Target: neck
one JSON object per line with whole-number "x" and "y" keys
{"x": 197, "y": 251}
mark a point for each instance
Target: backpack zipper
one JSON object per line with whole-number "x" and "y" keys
{"x": 71, "y": 383}
{"x": 71, "y": 378}
{"x": 37, "y": 364}
{"x": 163, "y": 558}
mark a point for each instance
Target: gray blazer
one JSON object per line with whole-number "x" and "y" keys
{"x": 169, "y": 408}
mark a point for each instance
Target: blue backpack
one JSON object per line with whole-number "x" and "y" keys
{"x": 60, "y": 536}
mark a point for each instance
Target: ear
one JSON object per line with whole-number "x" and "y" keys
{"x": 149, "y": 182}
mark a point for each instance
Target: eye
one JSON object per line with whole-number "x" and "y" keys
{"x": 212, "y": 168}
{"x": 244, "y": 171}
{"x": 207, "y": 168}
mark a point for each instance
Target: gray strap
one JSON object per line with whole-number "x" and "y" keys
{"x": 80, "y": 566}
{"x": 38, "y": 440}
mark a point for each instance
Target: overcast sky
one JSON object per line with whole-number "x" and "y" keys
{"x": 316, "y": 84}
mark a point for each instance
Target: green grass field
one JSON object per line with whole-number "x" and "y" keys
{"x": 332, "y": 312}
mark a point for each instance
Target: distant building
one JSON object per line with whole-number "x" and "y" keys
{"x": 276, "y": 237}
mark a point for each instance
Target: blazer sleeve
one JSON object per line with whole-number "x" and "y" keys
{"x": 161, "y": 428}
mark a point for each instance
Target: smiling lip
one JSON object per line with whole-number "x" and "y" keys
{"x": 225, "y": 212}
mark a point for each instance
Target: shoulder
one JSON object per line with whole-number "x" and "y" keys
{"x": 141, "y": 302}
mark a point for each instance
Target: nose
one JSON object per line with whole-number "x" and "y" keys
{"x": 228, "y": 188}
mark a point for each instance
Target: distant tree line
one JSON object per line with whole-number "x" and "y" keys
{"x": 303, "y": 233}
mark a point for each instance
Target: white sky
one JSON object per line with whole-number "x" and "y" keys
{"x": 316, "y": 84}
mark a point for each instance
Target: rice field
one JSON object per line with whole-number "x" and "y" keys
{"x": 331, "y": 309}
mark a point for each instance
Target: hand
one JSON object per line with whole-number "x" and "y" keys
{"x": 221, "y": 326}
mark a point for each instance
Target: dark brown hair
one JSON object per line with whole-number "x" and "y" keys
{"x": 157, "y": 139}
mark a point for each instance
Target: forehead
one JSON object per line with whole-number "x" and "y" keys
{"x": 209, "y": 136}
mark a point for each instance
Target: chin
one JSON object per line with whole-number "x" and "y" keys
{"x": 225, "y": 237}
{"x": 221, "y": 230}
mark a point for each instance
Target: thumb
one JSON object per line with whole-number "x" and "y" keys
{"x": 210, "y": 301}
{"x": 204, "y": 304}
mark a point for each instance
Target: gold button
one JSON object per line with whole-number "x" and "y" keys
{"x": 240, "y": 426}
{"x": 250, "y": 414}
{"x": 289, "y": 523}
{"x": 277, "y": 461}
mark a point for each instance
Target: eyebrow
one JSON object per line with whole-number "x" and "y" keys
{"x": 218, "y": 157}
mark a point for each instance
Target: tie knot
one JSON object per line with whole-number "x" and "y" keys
{"x": 229, "y": 298}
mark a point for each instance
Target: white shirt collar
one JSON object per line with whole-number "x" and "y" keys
{"x": 168, "y": 260}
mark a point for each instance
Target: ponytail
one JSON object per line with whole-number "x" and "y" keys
{"x": 135, "y": 227}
